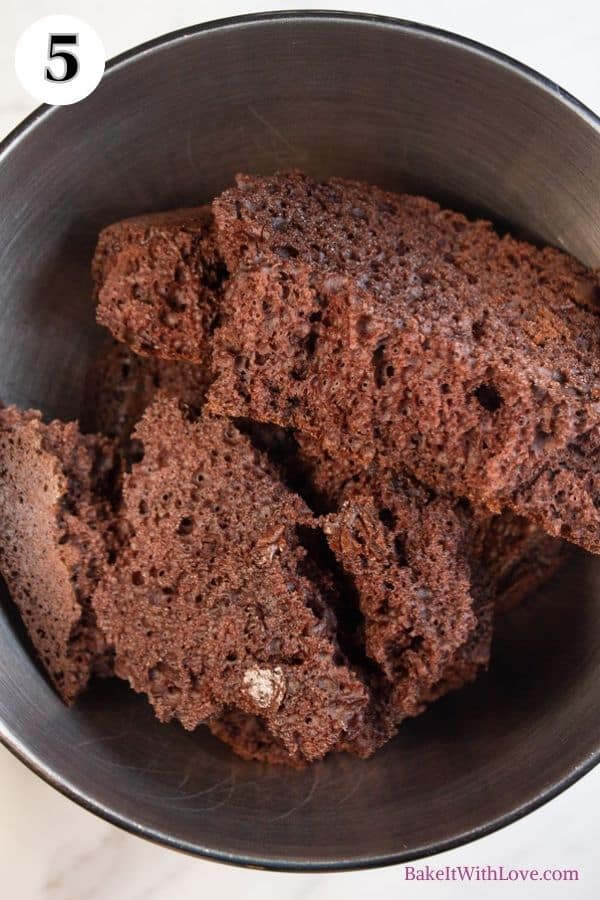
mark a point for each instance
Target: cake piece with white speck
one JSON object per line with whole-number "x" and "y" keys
{"x": 211, "y": 605}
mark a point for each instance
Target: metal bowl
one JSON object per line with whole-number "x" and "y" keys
{"x": 403, "y": 106}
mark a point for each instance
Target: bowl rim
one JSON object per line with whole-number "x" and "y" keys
{"x": 259, "y": 860}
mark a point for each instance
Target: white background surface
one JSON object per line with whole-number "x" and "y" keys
{"x": 49, "y": 848}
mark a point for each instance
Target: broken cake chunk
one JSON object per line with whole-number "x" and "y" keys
{"x": 55, "y": 536}
{"x": 120, "y": 385}
{"x": 421, "y": 592}
{"x": 157, "y": 282}
{"x": 381, "y": 324}
{"x": 211, "y": 606}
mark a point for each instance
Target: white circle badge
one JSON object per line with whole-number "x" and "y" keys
{"x": 59, "y": 60}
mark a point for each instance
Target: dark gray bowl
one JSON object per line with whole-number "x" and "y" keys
{"x": 400, "y": 105}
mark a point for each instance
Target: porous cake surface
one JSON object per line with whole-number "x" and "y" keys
{"x": 517, "y": 556}
{"x": 121, "y": 384}
{"x": 418, "y": 579}
{"x": 379, "y": 323}
{"x": 212, "y": 605}
{"x": 249, "y": 737}
{"x": 421, "y": 594}
{"x": 157, "y": 281}
{"x": 131, "y": 382}
{"x": 54, "y": 540}
{"x": 343, "y": 430}
{"x": 419, "y": 573}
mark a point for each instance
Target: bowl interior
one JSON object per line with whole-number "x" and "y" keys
{"x": 170, "y": 125}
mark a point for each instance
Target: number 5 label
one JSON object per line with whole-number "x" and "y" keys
{"x": 70, "y": 60}
{"x": 59, "y": 60}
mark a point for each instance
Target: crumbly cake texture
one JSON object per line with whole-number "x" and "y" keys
{"x": 421, "y": 578}
{"x": 422, "y": 595}
{"x": 120, "y": 385}
{"x": 498, "y": 557}
{"x": 55, "y": 539}
{"x": 249, "y": 737}
{"x": 405, "y": 630}
{"x": 211, "y": 606}
{"x": 157, "y": 283}
{"x": 375, "y": 322}
{"x": 130, "y": 383}
{"x": 519, "y": 556}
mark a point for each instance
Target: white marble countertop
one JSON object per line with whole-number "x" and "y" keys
{"x": 50, "y": 848}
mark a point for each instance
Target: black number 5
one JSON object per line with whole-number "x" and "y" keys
{"x": 70, "y": 60}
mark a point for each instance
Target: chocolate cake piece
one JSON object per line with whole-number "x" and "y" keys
{"x": 422, "y": 594}
{"x": 54, "y": 540}
{"x": 249, "y": 737}
{"x": 430, "y": 575}
{"x": 211, "y": 605}
{"x": 420, "y": 579}
{"x": 157, "y": 281}
{"x": 379, "y": 323}
{"x": 128, "y": 385}
{"x": 120, "y": 385}
{"x": 519, "y": 557}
